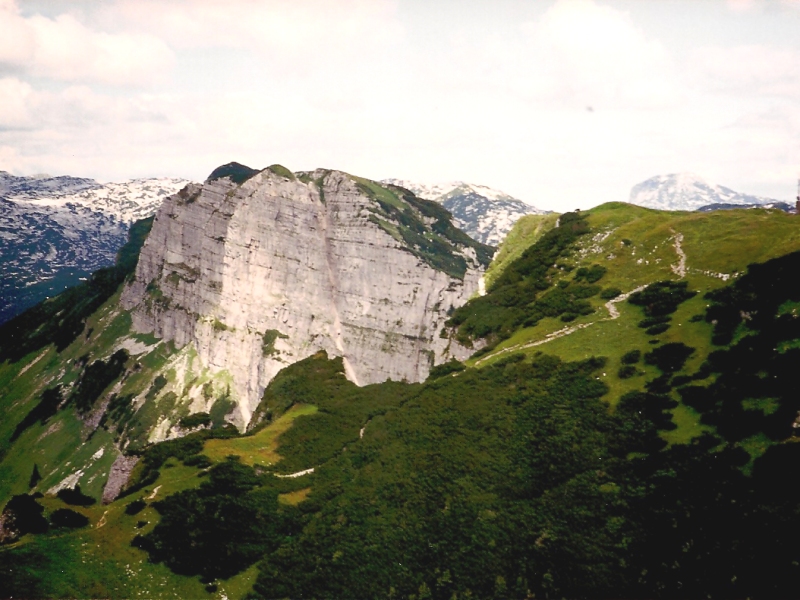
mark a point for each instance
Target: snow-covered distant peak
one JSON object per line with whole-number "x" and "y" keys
{"x": 480, "y": 190}
{"x": 428, "y": 191}
{"x": 687, "y": 191}
{"x": 126, "y": 201}
{"x": 483, "y": 213}
{"x": 443, "y": 190}
{"x": 42, "y": 185}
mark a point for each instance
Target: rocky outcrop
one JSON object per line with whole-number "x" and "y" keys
{"x": 118, "y": 476}
{"x": 260, "y": 271}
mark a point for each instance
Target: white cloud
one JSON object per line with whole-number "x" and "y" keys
{"x": 751, "y": 70}
{"x": 15, "y": 103}
{"x": 363, "y": 86}
{"x": 292, "y": 36}
{"x": 741, "y": 6}
{"x": 62, "y": 48}
{"x": 581, "y": 51}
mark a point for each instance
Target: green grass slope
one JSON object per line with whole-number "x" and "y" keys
{"x": 625, "y": 429}
{"x": 526, "y": 231}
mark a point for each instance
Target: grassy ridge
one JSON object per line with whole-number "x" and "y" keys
{"x": 526, "y": 232}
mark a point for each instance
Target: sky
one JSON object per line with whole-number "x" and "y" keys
{"x": 564, "y": 104}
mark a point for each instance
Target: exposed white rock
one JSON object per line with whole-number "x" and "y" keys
{"x": 261, "y": 275}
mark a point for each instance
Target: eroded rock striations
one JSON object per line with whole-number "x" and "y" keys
{"x": 257, "y": 271}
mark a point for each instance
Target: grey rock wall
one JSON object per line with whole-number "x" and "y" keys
{"x": 263, "y": 274}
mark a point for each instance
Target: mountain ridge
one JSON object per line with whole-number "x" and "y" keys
{"x": 55, "y": 231}
{"x": 485, "y": 214}
{"x": 687, "y": 191}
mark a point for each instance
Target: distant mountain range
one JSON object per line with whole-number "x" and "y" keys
{"x": 485, "y": 214}
{"x": 55, "y": 231}
{"x": 686, "y": 191}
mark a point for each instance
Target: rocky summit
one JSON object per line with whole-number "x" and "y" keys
{"x": 256, "y": 270}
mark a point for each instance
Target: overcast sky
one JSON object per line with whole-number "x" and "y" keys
{"x": 563, "y": 104}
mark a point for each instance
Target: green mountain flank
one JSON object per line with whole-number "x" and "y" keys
{"x": 625, "y": 428}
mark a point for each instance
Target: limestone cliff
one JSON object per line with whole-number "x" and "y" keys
{"x": 257, "y": 270}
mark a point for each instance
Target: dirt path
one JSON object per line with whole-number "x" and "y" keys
{"x": 102, "y": 521}
{"x": 613, "y": 313}
{"x": 298, "y": 474}
{"x": 680, "y": 268}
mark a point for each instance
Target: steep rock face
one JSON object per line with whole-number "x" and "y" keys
{"x": 264, "y": 273}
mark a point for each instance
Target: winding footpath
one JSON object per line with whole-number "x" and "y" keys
{"x": 680, "y": 268}
{"x": 613, "y": 313}
{"x": 293, "y": 475}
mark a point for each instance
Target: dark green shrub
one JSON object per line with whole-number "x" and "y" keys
{"x": 64, "y": 517}
{"x": 662, "y": 298}
{"x": 135, "y": 507}
{"x": 516, "y": 298}
{"x": 47, "y": 407}
{"x": 631, "y": 357}
{"x": 590, "y": 274}
{"x": 75, "y": 497}
{"x": 626, "y": 371}
{"x": 200, "y": 419}
{"x": 451, "y": 366}
{"x": 25, "y": 515}
{"x": 657, "y": 329}
{"x": 268, "y": 341}
{"x": 96, "y": 378}
{"x": 650, "y": 321}
{"x": 669, "y": 358}
{"x": 236, "y": 172}
{"x": 217, "y": 530}
{"x": 610, "y": 293}
{"x": 201, "y": 461}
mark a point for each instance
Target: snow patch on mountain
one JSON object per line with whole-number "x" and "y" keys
{"x": 42, "y": 186}
{"x": 55, "y": 231}
{"x": 126, "y": 202}
{"x": 483, "y": 213}
{"x": 687, "y": 191}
